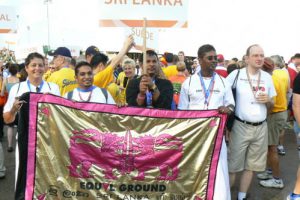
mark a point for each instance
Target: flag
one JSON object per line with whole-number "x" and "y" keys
{"x": 77, "y": 150}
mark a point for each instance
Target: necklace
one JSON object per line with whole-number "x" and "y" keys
{"x": 253, "y": 90}
{"x": 89, "y": 90}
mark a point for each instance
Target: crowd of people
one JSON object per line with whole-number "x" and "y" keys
{"x": 258, "y": 93}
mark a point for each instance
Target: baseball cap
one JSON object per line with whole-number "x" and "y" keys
{"x": 220, "y": 58}
{"x": 92, "y": 50}
{"x": 61, "y": 51}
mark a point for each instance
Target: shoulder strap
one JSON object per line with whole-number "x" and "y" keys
{"x": 18, "y": 88}
{"x": 104, "y": 91}
{"x": 189, "y": 89}
{"x": 70, "y": 95}
{"x": 49, "y": 86}
{"x": 221, "y": 80}
{"x": 235, "y": 79}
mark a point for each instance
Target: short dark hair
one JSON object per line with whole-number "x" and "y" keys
{"x": 249, "y": 49}
{"x": 232, "y": 67}
{"x": 180, "y": 52}
{"x": 80, "y": 64}
{"x": 148, "y": 53}
{"x": 169, "y": 57}
{"x": 13, "y": 69}
{"x": 97, "y": 59}
{"x": 204, "y": 49}
{"x": 297, "y": 55}
{"x": 32, "y": 56}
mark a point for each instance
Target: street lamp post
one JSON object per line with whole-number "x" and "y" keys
{"x": 48, "y": 20}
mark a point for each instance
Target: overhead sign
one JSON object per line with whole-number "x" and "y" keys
{"x": 130, "y": 13}
{"x": 8, "y": 20}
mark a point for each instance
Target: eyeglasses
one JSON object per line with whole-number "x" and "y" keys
{"x": 210, "y": 58}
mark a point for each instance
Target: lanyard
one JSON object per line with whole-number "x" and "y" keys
{"x": 38, "y": 89}
{"x": 254, "y": 90}
{"x": 207, "y": 92}
{"x": 149, "y": 97}
{"x": 86, "y": 90}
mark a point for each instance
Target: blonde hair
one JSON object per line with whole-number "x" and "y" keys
{"x": 181, "y": 66}
{"x": 128, "y": 61}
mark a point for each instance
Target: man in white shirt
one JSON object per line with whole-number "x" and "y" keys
{"x": 207, "y": 90}
{"x": 86, "y": 91}
{"x": 248, "y": 141}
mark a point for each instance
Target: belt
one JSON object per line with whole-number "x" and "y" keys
{"x": 249, "y": 123}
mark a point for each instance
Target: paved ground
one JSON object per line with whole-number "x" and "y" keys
{"x": 289, "y": 164}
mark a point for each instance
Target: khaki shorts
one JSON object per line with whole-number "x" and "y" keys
{"x": 276, "y": 123}
{"x": 248, "y": 146}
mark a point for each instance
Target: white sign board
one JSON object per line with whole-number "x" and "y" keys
{"x": 130, "y": 13}
{"x": 8, "y": 20}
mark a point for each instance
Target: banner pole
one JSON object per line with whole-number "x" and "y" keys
{"x": 144, "y": 46}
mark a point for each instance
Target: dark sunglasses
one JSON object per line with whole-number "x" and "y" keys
{"x": 210, "y": 58}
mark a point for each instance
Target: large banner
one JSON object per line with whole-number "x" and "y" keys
{"x": 130, "y": 13}
{"x": 72, "y": 150}
{"x": 8, "y": 20}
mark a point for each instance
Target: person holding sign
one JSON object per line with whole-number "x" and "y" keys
{"x": 207, "y": 90}
{"x": 151, "y": 89}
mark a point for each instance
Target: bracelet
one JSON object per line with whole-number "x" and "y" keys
{"x": 141, "y": 97}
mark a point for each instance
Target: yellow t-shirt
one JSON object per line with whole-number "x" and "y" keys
{"x": 65, "y": 79}
{"x": 47, "y": 75}
{"x": 170, "y": 71}
{"x": 104, "y": 77}
{"x": 281, "y": 84}
{"x": 113, "y": 89}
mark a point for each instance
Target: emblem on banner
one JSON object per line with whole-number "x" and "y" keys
{"x": 126, "y": 154}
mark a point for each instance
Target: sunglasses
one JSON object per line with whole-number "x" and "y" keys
{"x": 210, "y": 58}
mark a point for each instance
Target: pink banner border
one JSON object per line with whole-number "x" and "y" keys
{"x": 113, "y": 109}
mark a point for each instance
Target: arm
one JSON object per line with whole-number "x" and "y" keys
{"x": 132, "y": 92}
{"x": 165, "y": 95}
{"x": 183, "y": 103}
{"x": 3, "y": 87}
{"x": 126, "y": 47}
{"x": 10, "y": 116}
{"x": 296, "y": 107}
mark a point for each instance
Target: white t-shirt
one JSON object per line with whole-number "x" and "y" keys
{"x": 20, "y": 88}
{"x": 246, "y": 106}
{"x": 192, "y": 95}
{"x": 97, "y": 96}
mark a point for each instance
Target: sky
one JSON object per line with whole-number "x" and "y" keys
{"x": 230, "y": 25}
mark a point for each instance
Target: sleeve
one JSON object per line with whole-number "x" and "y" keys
{"x": 231, "y": 77}
{"x": 296, "y": 88}
{"x": 132, "y": 92}
{"x": 55, "y": 89}
{"x": 183, "y": 99}
{"x": 110, "y": 100}
{"x": 165, "y": 98}
{"x": 228, "y": 96}
{"x": 272, "y": 92}
{"x": 104, "y": 77}
{"x": 11, "y": 98}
